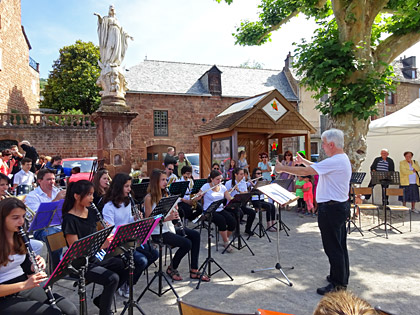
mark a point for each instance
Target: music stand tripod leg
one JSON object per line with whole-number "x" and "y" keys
{"x": 237, "y": 235}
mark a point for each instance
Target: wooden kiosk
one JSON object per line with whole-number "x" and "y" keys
{"x": 251, "y": 123}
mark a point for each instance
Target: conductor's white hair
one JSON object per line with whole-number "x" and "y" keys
{"x": 334, "y": 135}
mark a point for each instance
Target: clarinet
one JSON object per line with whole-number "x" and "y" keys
{"x": 179, "y": 221}
{"x": 32, "y": 255}
{"x": 135, "y": 212}
{"x": 99, "y": 215}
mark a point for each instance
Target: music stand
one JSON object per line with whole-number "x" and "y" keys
{"x": 356, "y": 179}
{"x": 236, "y": 203}
{"x": 283, "y": 197}
{"x": 261, "y": 229}
{"x": 209, "y": 260}
{"x": 285, "y": 183}
{"x": 198, "y": 183}
{"x": 179, "y": 188}
{"x": 385, "y": 179}
{"x": 45, "y": 215}
{"x": 128, "y": 234}
{"x": 162, "y": 208}
{"x": 140, "y": 190}
{"x": 82, "y": 248}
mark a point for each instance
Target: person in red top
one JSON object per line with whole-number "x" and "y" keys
{"x": 6, "y": 155}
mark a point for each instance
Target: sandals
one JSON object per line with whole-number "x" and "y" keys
{"x": 174, "y": 274}
{"x": 196, "y": 275}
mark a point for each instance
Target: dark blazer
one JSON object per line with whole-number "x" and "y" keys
{"x": 391, "y": 166}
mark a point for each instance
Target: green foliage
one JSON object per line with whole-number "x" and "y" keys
{"x": 72, "y": 82}
{"x": 251, "y": 65}
{"x": 42, "y": 83}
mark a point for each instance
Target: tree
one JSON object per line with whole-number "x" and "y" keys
{"x": 349, "y": 56}
{"x": 251, "y": 65}
{"x": 72, "y": 82}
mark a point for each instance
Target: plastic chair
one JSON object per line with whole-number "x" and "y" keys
{"x": 400, "y": 193}
{"x": 188, "y": 309}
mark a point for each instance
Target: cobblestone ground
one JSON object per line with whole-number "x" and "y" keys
{"x": 383, "y": 271}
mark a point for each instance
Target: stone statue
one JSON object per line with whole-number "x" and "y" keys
{"x": 112, "y": 46}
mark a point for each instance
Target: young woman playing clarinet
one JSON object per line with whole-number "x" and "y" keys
{"x": 101, "y": 185}
{"x": 20, "y": 290}
{"x": 173, "y": 236}
{"x": 119, "y": 210}
{"x": 79, "y": 221}
{"x": 238, "y": 186}
{"x": 214, "y": 191}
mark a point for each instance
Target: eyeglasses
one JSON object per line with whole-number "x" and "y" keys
{"x": 259, "y": 173}
{"x": 170, "y": 169}
{"x": 216, "y": 168}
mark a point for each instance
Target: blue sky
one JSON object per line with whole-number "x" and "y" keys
{"x": 196, "y": 31}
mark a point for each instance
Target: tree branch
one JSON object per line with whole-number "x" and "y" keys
{"x": 277, "y": 26}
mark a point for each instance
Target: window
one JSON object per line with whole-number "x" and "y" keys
{"x": 390, "y": 98}
{"x": 160, "y": 122}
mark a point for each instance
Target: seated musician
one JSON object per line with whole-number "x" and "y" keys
{"x": 45, "y": 192}
{"x": 24, "y": 176}
{"x": 238, "y": 186}
{"x": 20, "y": 290}
{"x": 80, "y": 221}
{"x": 214, "y": 191}
{"x": 170, "y": 176}
{"x": 101, "y": 185}
{"x": 172, "y": 236}
{"x": 188, "y": 208}
{"x": 118, "y": 210}
{"x": 259, "y": 203}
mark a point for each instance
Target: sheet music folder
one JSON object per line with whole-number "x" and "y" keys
{"x": 278, "y": 194}
{"x": 46, "y": 215}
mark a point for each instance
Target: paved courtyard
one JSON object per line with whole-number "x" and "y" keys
{"x": 383, "y": 271}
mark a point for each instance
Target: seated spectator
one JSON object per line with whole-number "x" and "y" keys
{"x": 343, "y": 302}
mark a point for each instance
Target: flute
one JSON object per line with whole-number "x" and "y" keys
{"x": 211, "y": 188}
{"x": 32, "y": 255}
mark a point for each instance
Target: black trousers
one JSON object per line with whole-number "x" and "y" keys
{"x": 32, "y": 302}
{"x": 332, "y": 224}
{"x": 270, "y": 208}
{"x": 185, "y": 210}
{"x": 301, "y": 203}
{"x": 250, "y": 213}
{"x": 224, "y": 220}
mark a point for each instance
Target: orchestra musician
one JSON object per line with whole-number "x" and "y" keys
{"x": 101, "y": 185}
{"x": 259, "y": 203}
{"x": 118, "y": 210}
{"x": 170, "y": 176}
{"x": 173, "y": 236}
{"x": 80, "y": 221}
{"x": 238, "y": 186}
{"x": 214, "y": 191}
{"x": 188, "y": 208}
{"x": 20, "y": 291}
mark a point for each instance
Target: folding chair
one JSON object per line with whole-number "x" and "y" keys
{"x": 400, "y": 193}
{"x": 365, "y": 206}
{"x": 188, "y": 309}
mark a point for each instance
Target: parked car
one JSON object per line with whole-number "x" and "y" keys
{"x": 194, "y": 159}
{"x": 85, "y": 164}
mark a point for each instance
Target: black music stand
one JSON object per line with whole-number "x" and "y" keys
{"x": 128, "y": 235}
{"x": 209, "y": 260}
{"x": 179, "y": 188}
{"x": 83, "y": 248}
{"x": 140, "y": 191}
{"x": 283, "y": 197}
{"x": 162, "y": 208}
{"x": 385, "y": 179}
{"x": 198, "y": 183}
{"x": 356, "y": 179}
{"x": 284, "y": 183}
{"x": 261, "y": 229}
{"x": 236, "y": 203}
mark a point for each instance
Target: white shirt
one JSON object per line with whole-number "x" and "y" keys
{"x": 23, "y": 178}
{"x": 242, "y": 187}
{"x": 12, "y": 269}
{"x": 334, "y": 178}
{"x": 117, "y": 216}
{"x": 213, "y": 195}
{"x": 37, "y": 196}
{"x": 167, "y": 226}
{"x": 189, "y": 188}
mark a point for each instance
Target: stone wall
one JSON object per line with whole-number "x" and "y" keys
{"x": 405, "y": 94}
{"x": 19, "y": 83}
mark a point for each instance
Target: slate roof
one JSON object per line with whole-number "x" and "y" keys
{"x": 183, "y": 78}
{"x": 406, "y": 75}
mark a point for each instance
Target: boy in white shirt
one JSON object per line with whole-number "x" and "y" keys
{"x": 24, "y": 176}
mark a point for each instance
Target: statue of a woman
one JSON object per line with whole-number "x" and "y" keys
{"x": 112, "y": 39}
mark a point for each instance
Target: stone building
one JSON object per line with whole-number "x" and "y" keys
{"x": 174, "y": 99}
{"x": 19, "y": 76}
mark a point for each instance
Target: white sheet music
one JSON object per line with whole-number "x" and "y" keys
{"x": 278, "y": 194}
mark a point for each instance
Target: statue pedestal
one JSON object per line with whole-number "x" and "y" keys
{"x": 113, "y": 119}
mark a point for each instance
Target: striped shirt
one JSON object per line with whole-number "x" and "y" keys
{"x": 382, "y": 166}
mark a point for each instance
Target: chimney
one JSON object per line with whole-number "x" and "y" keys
{"x": 288, "y": 62}
{"x": 409, "y": 69}
{"x": 212, "y": 81}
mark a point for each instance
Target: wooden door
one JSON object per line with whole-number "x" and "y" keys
{"x": 155, "y": 157}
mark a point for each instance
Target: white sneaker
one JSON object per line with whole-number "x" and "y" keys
{"x": 415, "y": 210}
{"x": 124, "y": 291}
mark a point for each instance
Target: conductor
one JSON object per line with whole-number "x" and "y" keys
{"x": 333, "y": 205}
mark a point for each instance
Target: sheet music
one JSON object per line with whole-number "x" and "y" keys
{"x": 278, "y": 194}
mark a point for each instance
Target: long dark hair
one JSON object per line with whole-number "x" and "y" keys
{"x": 235, "y": 171}
{"x": 6, "y": 206}
{"x": 156, "y": 193}
{"x": 213, "y": 175}
{"x": 81, "y": 188}
{"x": 254, "y": 171}
{"x": 96, "y": 182}
{"x": 115, "y": 191}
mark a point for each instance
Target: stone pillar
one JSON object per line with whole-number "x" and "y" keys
{"x": 113, "y": 121}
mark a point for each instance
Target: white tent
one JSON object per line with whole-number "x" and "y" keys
{"x": 397, "y": 132}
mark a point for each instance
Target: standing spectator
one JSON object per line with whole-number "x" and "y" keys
{"x": 6, "y": 155}
{"x": 333, "y": 204}
{"x": 229, "y": 171}
{"x": 170, "y": 159}
{"x": 242, "y": 162}
{"x": 16, "y": 159}
{"x": 382, "y": 163}
{"x": 308, "y": 196}
{"x": 410, "y": 180}
{"x": 216, "y": 167}
{"x": 182, "y": 161}
{"x": 265, "y": 166}
{"x": 299, "y": 193}
{"x": 288, "y": 161}
{"x": 30, "y": 152}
